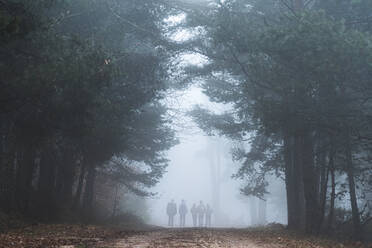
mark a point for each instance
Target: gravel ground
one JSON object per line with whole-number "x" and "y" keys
{"x": 83, "y": 236}
{"x": 211, "y": 238}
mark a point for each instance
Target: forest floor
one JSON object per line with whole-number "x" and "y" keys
{"x": 79, "y": 236}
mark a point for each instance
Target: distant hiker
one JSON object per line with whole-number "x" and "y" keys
{"x": 201, "y": 212}
{"x": 208, "y": 215}
{"x": 183, "y": 211}
{"x": 171, "y": 212}
{"x": 194, "y": 213}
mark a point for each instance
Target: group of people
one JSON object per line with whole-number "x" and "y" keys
{"x": 198, "y": 213}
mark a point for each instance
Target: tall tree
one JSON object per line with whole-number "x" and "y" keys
{"x": 289, "y": 80}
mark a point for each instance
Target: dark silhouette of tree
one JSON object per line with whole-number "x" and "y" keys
{"x": 81, "y": 88}
{"x": 295, "y": 79}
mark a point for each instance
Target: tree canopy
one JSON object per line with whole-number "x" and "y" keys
{"x": 297, "y": 78}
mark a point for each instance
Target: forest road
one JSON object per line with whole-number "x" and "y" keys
{"x": 188, "y": 237}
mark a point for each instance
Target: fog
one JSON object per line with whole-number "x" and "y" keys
{"x": 199, "y": 167}
{"x": 110, "y": 110}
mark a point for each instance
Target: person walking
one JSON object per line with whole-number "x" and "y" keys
{"x": 194, "y": 213}
{"x": 183, "y": 211}
{"x": 171, "y": 212}
{"x": 208, "y": 216}
{"x": 201, "y": 212}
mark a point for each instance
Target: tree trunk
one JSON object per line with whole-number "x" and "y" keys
{"x": 333, "y": 195}
{"x": 324, "y": 185}
{"x": 89, "y": 191}
{"x": 77, "y": 197}
{"x": 292, "y": 223}
{"x": 299, "y": 183}
{"x": 7, "y": 164}
{"x": 26, "y": 166}
{"x": 67, "y": 175}
{"x": 293, "y": 181}
{"x": 312, "y": 209}
{"x": 262, "y": 212}
{"x": 357, "y": 230}
{"x": 46, "y": 186}
{"x": 7, "y": 182}
{"x": 215, "y": 170}
{"x": 116, "y": 202}
{"x": 253, "y": 211}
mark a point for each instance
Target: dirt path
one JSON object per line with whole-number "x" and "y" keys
{"x": 88, "y": 236}
{"x": 211, "y": 238}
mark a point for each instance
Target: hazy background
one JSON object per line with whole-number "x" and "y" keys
{"x": 190, "y": 176}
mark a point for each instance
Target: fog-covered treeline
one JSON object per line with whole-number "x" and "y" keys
{"x": 83, "y": 85}
{"x": 81, "y": 90}
{"x": 298, "y": 77}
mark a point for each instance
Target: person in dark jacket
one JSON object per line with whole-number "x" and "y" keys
{"x": 183, "y": 211}
{"x": 194, "y": 213}
{"x": 171, "y": 212}
{"x": 201, "y": 213}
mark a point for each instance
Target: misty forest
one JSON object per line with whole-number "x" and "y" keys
{"x": 186, "y": 123}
